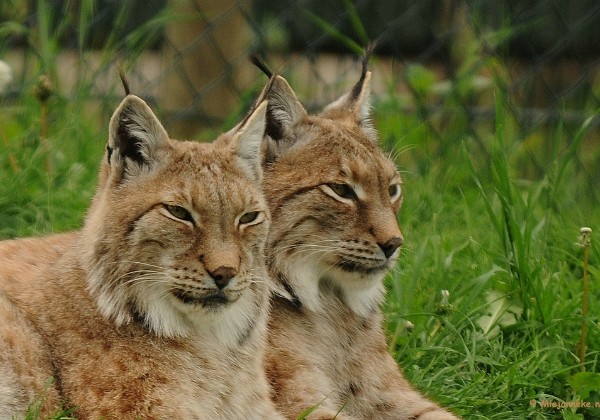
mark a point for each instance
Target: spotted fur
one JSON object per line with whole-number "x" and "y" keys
{"x": 158, "y": 307}
{"x": 333, "y": 196}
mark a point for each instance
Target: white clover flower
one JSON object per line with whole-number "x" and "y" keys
{"x": 5, "y": 76}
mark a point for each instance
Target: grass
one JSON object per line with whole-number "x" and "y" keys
{"x": 503, "y": 246}
{"x": 32, "y": 199}
{"x": 491, "y": 215}
{"x": 505, "y": 341}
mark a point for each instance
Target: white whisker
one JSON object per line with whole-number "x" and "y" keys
{"x": 139, "y": 263}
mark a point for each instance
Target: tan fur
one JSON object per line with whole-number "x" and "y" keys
{"x": 122, "y": 315}
{"x": 326, "y": 342}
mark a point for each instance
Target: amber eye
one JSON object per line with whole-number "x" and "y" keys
{"x": 343, "y": 190}
{"x": 249, "y": 217}
{"x": 179, "y": 212}
{"x": 394, "y": 191}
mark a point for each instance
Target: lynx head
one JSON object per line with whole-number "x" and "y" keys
{"x": 333, "y": 196}
{"x": 175, "y": 235}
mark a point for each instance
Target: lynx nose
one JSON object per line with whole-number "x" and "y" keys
{"x": 223, "y": 275}
{"x": 391, "y": 246}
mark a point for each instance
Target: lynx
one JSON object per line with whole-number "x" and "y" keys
{"x": 333, "y": 197}
{"x": 158, "y": 307}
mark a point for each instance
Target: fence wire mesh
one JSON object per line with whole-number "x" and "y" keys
{"x": 443, "y": 61}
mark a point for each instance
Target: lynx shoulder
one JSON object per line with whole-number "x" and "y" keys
{"x": 157, "y": 307}
{"x": 333, "y": 196}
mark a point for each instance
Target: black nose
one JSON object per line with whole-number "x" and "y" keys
{"x": 391, "y": 246}
{"x": 222, "y": 275}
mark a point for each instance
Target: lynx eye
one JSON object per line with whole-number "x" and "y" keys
{"x": 343, "y": 190}
{"x": 179, "y": 212}
{"x": 394, "y": 190}
{"x": 252, "y": 217}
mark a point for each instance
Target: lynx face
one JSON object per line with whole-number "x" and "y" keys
{"x": 333, "y": 196}
{"x": 185, "y": 253}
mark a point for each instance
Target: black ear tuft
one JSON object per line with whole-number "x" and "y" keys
{"x": 273, "y": 128}
{"x": 123, "y": 80}
{"x": 358, "y": 87}
{"x": 261, "y": 65}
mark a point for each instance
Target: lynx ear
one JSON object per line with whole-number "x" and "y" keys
{"x": 247, "y": 141}
{"x": 135, "y": 138}
{"x": 284, "y": 109}
{"x": 357, "y": 102}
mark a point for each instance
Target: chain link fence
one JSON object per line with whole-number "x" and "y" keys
{"x": 443, "y": 61}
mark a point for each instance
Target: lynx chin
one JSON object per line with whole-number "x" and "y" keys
{"x": 157, "y": 307}
{"x": 333, "y": 196}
